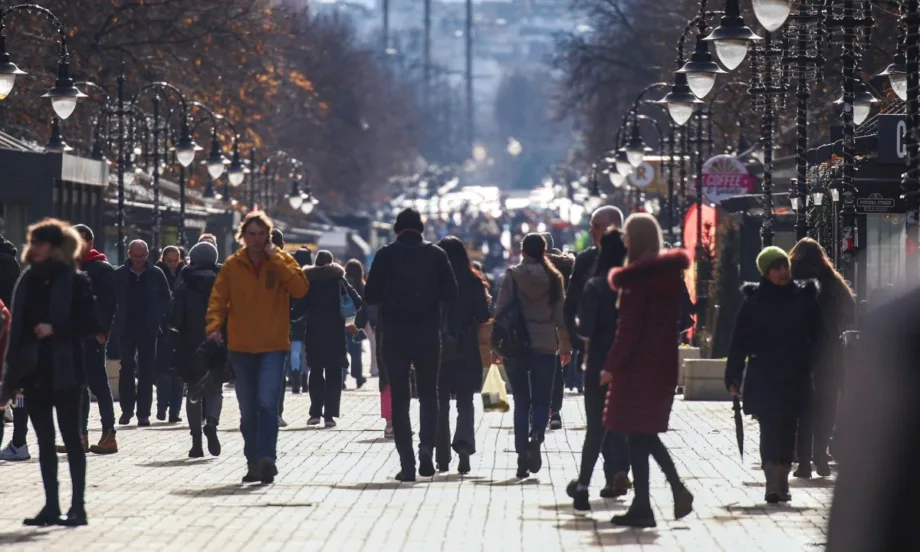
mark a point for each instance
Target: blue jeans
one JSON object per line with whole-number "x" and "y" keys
{"x": 532, "y": 388}
{"x": 296, "y": 355}
{"x": 258, "y": 387}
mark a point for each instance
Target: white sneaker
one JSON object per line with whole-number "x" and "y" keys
{"x": 388, "y": 432}
{"x": 12, "y": 453}
{"x": 330, "y": 423}
{"x": 8, "y": 415}
{"x": 281, "y": 422}
{"x": 315, "y": 420}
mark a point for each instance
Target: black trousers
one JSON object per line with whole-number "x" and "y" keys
{"x": 325, "y": 385}
{"x": 465, "y": 435}
{"x": 641, "y": 446}
{"x": 558, "y": 388}
{"x": 20, "y": 427}
{"x": 138, "y": 351}
{"x": 405, "y": 348}
{"x": 777, "y": 440}
{"x": 208, "y": 407}
{"x": 598, "y": 440}
{"x": 41, "y": 407}
{"x": 816, "y": 425}
{"x": 98, "y": 383}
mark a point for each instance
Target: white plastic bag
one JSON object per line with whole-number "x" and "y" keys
{"x": 494, "y": 394}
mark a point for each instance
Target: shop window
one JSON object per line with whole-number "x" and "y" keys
{"x": 886, "y": 242}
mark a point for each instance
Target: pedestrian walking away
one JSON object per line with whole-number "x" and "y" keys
{"x": 102, "y": 276}
{"x": 54, "y": 311}
{"x": 170, "y": 387}
{"x": 461, "y": 362}
{"x": 142, "y": 293}
{"x": 602, "y": 219}
{"x": 277, "y": 238}
{"x": 354, "y": 275}
{"x": 409, "y": 281}
{"x": 252, "y": 296}
{"x": 641, "y": 368}
{"x": 564, "y": 263}
{"x": 299, "y": 367}
{"x": 808, "y": 261}
{"x": 777, "y": 334}
{"x": 201, "y": 369}
{"x": 538, "y": 288}
{"x": 324, "y": 340}
{"x": 597, "y": 326}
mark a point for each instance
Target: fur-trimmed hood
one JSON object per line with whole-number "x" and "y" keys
{"x": 810, "y": 287}
{"x": 68, "y": 253}
{"x": 324, "y": 273}
{"x": 564, "y": 262}
{"x": 649, "y": 272}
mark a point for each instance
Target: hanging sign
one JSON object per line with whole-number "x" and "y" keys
{"x": 643, "y": 175}
{"x": 724, "y": 176}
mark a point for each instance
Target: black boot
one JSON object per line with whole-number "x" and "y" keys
{"x": 463, "y": 467}
{"x": 772, "y": 492}
{"x": 640, "y": 515}
{"x": 196, "y": 450}
{"x": 782, "y": 482}
{"x": 76, "y": 517}
{"x": 50, "y": 515}
{"x": 425, "y": 465}
{"x": 254, "y": 474}
{"x": 579, "y": 496}
{"x": 210, "y": 431}
{"x": 268, "y": 469}
{"x": 295, "y": 383}
{"x": 523, "y": 463}
{"x": 683, "y": 502}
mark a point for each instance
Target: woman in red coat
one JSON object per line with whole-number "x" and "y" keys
{"x": 641, "y": 367}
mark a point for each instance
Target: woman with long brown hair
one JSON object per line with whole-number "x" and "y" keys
{"x": 809, "y": 261}
{"x": 538, "y": 288}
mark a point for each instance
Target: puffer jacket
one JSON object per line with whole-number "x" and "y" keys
{"x": 545, "y": 321}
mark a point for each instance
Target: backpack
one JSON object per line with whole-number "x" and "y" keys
{"x": 510, "y": 339}
{"x": 413, "y": 285}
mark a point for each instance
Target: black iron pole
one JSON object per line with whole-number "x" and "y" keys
{"x": 120, "y": 220}
{"x": 911, "y": 181}
{"x": 156, "y": 175}
{"x": 671, "y": 148}
{"x": 470, "y": 102}
{"x": 848, "y": 217}
{"x": 252, "y": 179}
{"x": 766, "y": 138}
{"x": 180, "y": 228}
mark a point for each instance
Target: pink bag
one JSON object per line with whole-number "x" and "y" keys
{"x": 386, "y": 404}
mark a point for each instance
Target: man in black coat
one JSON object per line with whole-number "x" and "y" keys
{"x": 143, "y": 296}
{"x": 102, "y": 275}
{"x": 409, "y": 281}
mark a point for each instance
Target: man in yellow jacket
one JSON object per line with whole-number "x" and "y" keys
{"x": 252, "y": 296}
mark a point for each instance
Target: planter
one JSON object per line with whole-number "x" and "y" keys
{"x": 704, "y": 380}
{"x": 112, "y": 370}
{"x": 685, "y": 353}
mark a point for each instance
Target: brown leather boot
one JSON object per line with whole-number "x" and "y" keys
{"x": 62, "y": 449}
{"x": 107, "y": 444}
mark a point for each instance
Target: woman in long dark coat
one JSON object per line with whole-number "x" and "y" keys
{"x": 776, "y": 335}
{"x": 461, "y": 364}
{"x": 324, "y": 340}
{"x": 54, "y": 310}
{"x": 808, "y": 261}
{"x": 641, "y": 368}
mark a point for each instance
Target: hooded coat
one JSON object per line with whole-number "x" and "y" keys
{"x": 102, "y": 274}
{"x": 582, "y": 269}
{"x": 564, "y": 263}
{"x": 644, "y": 358}
{"x": 186, "y": 317}
{"x": 324, "y": 338}
{"x": 545, "y": 320}
{"x": 52, "y": 292}
{"x": 774, "y": 347}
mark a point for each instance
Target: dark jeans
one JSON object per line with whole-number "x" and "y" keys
{"x": 817, "y": 425}
{"x": 170, "y": 389}
{"x": 599, "y": 441}
{"x": 777, "y": 440}
{"x": 558, "y": 388}
{"x": 465, "y": 436}
{"x": 98, "y": 382}
{"x": 325, "y": 388}
{"x": 258, "y": 383}
{"x": 402, "y": 349}
{"x": 532, "y": 380}
{"x": 41, "y": 411}
{"x": 357, "y": 363}
{"x": 138, "y": 359}
{"x": 210, "y": 404}
{"x": 641, "y": 446}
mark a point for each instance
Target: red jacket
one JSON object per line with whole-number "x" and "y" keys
{"x": 644, "y": 357}
{"x": 5, "y": 320}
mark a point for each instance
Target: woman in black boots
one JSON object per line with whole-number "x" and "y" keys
{"x": 461, "y": 364}
{"x": 186, "y": 316}
{"x": 597, "y": 325}
{"x": 53, "y": 312}
{"x": 808, "y": 261}
{"x": 776, "y": 335}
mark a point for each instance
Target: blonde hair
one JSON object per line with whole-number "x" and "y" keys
{"x": 257, "y": 217}
{"x": 643, "y": 237}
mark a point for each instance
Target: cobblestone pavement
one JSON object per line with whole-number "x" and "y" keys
{"x": 335, "y": 492}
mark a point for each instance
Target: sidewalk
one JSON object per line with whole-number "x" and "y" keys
{"x": 335, "y": 492}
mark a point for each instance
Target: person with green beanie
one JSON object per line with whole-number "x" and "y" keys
{"x": 778, "y": 329}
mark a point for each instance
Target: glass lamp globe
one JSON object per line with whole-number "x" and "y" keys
{"x": 899, "y": 85}
{"x": 772, "y": 13}
{"x": 861, "y": 112}
{"x": 817, "y": 198}
{"x": 7, "y": 82}
{"x": 701, "y": 84}
{"x": 296, "y": 201}
{"x": 680, "y": 112}
{"x": 215, "y": 168}
{"x": 236, "y": 176}
{"x": 731, "y": 52}
{"x": 186, "y": 155}
{"x": 307, "y": 206}
{"x": 616, "y": 179}
{"x": 64, "y": 106}
{"x": 624, "y": 168}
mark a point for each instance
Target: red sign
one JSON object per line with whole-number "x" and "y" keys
{"x": 724, "y": 176}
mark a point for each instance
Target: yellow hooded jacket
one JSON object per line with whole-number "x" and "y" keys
{"x": 256, "y": 308}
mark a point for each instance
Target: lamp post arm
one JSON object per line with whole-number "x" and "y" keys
{"x": 700, "y": 22}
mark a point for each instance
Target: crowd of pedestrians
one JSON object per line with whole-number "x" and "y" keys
{"x": 267, "y": 319}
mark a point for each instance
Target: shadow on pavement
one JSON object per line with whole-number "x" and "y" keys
{"x": 513, "y": 482}
{"x": 762, "y": 510}
{"x": 23, "y": 536}
{"x": 178, "y": 463}
{"x": 601, "y": 504}
{"x": 817, "y": 483}
{"x": 626, "y": 537}
{"x": 223, "y": 490}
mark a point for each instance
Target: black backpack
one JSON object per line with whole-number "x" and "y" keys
{"x": 510, "y": 338}
{"x": 413, "y": 284}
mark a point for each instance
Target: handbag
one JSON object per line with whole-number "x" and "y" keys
{"x": 510, "y": 338}
{"x": 347, "y": 306}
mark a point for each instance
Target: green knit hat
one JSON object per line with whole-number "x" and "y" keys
{"x": 768, "y": 257}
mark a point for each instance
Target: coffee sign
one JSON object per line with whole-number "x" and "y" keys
{"x": 724, "y": 176}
